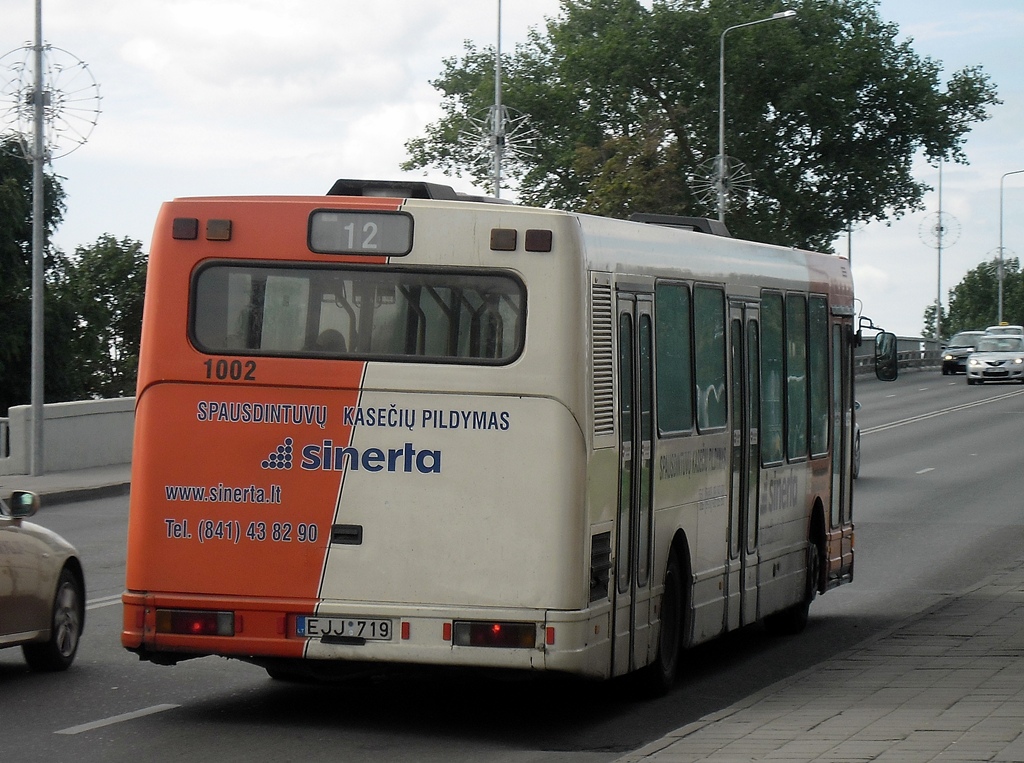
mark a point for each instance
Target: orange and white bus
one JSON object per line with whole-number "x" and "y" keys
{"x": 395, "y": 425}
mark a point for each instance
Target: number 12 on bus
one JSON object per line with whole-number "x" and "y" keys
{"x": 398, "y": 425}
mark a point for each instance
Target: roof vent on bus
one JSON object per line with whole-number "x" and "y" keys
{"x": 399, "y": 189}
{"x": 698, "y": 224}
{"x": 405, "y": 189}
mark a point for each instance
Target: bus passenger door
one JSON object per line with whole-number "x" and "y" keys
{"x": 745, "y": 406}
{"x": 841, "y": 520}
{"x": 635, "y": 512}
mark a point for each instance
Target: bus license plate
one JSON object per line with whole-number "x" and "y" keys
{"x": 347, "y": 627}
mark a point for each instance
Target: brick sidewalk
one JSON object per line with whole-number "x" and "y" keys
{"x": 944, "y": 685}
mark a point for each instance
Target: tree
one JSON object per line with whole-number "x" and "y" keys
{"x": 102, "y": 286}
{"x": 974, "y": 302}
{"x": 92, "y": 300}
{"x": 929, "y": 322}
{"x": 827, "y": 112}
{"x": 16, "y": 279}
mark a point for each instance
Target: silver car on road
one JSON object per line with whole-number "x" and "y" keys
{"x": 42, "y": 588}
{"x": 998, "y": 358}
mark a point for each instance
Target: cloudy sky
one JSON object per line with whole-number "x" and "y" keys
{"x": 206, "y": 97}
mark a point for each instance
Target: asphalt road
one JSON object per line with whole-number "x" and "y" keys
{"x": 937, "y": 508}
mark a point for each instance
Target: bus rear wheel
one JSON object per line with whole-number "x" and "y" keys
{"x": 793, "y": 620}
{"x": 659, "y": 677}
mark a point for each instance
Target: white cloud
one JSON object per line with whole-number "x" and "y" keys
{"x": 284, "y": 96}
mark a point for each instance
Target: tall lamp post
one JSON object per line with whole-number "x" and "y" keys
{"x": 38, "y": 157}
{"x": 940, "y": 229}
{"x": 720, "y": 180}
{"x": 1000, "y": 274}
{"x": 498, "y": 137}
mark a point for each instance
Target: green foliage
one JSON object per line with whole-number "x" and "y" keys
{"x": 16, "y": 278}
{"x": 974, "y": 302}
{"x": 103, "y": 287}
{"x": 827, "y": 111}
{"x": 929, "y": 323}
{"x": 92, "y": 301}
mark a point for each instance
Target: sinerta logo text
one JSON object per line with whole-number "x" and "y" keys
{"x": 327, "y": 457}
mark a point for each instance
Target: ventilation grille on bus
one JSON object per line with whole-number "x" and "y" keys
{"x": 601, "y": 342}
{"x": 600, "y": 565}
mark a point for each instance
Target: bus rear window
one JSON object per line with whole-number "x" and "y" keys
{"x": 366, "y": 313}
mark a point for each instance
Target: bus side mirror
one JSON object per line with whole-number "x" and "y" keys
{"x": 886, "y": 361}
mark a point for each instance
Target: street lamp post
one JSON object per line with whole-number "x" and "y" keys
{"x": 38, "y": 154}
{"x": 498, "y": 123}
{"x": 720, "y": 179}
{"x": 1000, "y": 273}
{"x": 940, "y": 229}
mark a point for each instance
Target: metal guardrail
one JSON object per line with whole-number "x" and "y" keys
{"x": 921, "y": 359}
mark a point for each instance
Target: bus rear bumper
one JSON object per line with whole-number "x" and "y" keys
{"x": 267, "y": 632}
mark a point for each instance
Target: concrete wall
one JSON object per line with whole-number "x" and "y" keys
{"x": 76, "y": 435}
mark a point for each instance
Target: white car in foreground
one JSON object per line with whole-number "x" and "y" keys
{"x": 998, "y": 358}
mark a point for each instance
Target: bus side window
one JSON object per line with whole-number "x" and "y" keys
{"x": 709, "y": 356}
{"x": 772, "y": 353}
{"x": 674, "y": 362}
{"x": 817, "y": 356}
{"x": 796, "y": 376}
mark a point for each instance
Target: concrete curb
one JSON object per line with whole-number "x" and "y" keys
{"x": 79, "y": 494}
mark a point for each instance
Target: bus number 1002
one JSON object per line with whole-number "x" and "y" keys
{"x": 236, "y": 370}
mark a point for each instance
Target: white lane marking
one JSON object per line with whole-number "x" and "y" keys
{"x": 116, "y": 719}
{"x": 933, "y": 414}
{"x": 925, "y": 471}
{"x": 103, "y": 601}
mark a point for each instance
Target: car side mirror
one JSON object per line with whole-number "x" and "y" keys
{"x": 22, "y": 504}
{"x": 886, "y": 360}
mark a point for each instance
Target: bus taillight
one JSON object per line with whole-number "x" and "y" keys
{"x": 507, "y": 635}
{"x": 193, "y": 622}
